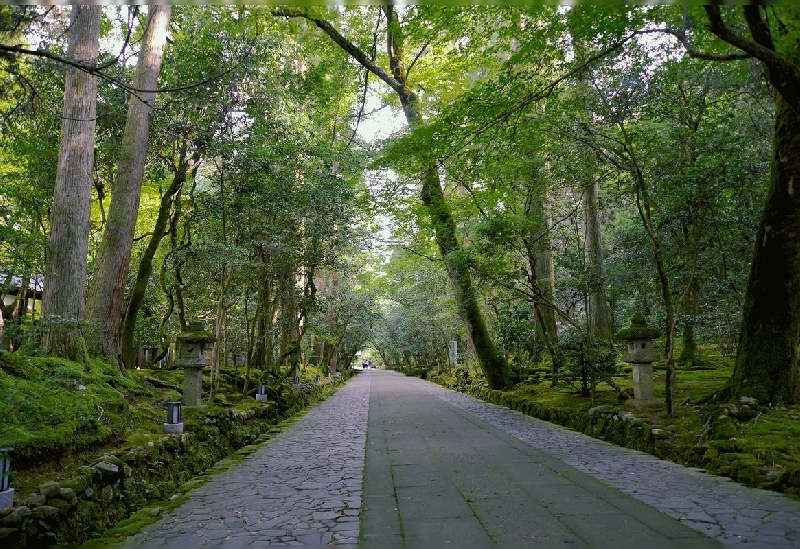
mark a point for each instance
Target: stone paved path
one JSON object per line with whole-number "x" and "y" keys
{"x": 716, "y": 506}
{"x": 442, "y": 469}
{"x": 303, "y": 488}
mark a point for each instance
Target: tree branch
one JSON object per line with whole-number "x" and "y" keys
{"x": 353, "y": 50}
{"x": 97, "y": 70}
{"x": 783, "y": 74}
{"x": 416, "y": 58}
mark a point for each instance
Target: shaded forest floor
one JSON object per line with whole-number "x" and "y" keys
{"x": 756, "y": 444}
{"x": 58, "y": 415}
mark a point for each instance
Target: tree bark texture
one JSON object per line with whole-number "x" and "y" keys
{"x": 106, "y": 293}
{"x": 767, "y": 356}
{"x": 66, "y": 263}
{"x": 598, "y": 319}
{"x": 540, "y": 259}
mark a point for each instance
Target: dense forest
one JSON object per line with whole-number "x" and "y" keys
{"x": 315, "y": 182}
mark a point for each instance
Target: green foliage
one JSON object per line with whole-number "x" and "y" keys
{"x": 587, "y": 360}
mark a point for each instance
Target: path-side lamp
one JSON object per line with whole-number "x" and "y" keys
{"x": 190, "y": 349}
{"x": 261, "y": 395}
{"x": 317, "y": 379}
{"x": 6, "y": 492}
{"x": 296, "y": 381}
{"x": 641, "y": 356}
{"x": 174, "y": 425}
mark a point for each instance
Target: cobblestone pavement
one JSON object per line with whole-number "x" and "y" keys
{"x": 303, "y": 488}
{"x": 714, "y": 505}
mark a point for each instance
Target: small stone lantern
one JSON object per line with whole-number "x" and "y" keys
{"x": 641, "y": 356}
{"x": 191, "y": 359}
{"x": 261, "y": 395}
{"x": 174, "y": 425}
{"x": 6, "y": 492}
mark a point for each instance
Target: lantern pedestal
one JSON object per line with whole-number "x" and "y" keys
{"x": 643, "y": 381}
{"x": 7, "y": 498}
{"x": 173, "y": 428}
{"x": 192, "y": 385}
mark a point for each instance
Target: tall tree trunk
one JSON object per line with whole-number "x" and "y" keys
{"x": 645, "y": 206}
{"x": 66, "y": 263}
{"x": 540, "y": 259}
{"x": 689, "y": 356}
{"x": 181, "y": 170}
{"x": 767, "y": 356}
{"x": 218, "y": 350}
{"x": 248, "y": 325}
{"x": 492, "y": 362}
{"x": 598, "y": 319}
{"x": 105, "y": 301}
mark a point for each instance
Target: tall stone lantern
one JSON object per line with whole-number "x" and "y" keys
{"x": 641, "y": 356}
{"x": 190, "y": 358}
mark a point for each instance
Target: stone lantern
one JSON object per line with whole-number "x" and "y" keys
{"x": 190, "y": 352}
{"x": 641, "y": 356}
{"x": 147, "y": 356}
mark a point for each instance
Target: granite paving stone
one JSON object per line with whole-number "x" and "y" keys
{"x": 309, "y": 474}
{"x": 392, "y": 461}
{"x": 730, "y": 512}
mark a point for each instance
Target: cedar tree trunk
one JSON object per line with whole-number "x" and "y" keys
{"x": 105, "y": 301}
{"x": 66, "y": 264}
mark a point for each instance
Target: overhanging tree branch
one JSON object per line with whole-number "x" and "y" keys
{"x": 353, "y": 50}
{"x": 783, "y": 74}
{"x": 97, "y": 70}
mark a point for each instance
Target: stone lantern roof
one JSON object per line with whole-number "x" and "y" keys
{"x": 196, "y": 333}
{"x": 638, "y": 330}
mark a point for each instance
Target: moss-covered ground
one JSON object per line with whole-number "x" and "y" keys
{"x": 58, "y": 415}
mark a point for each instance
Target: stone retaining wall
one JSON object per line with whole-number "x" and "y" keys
{"x": 97, "y": 496}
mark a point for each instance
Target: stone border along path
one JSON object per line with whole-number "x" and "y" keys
{"x": 305, "y": 486}
{"x": 302, "y": 488}
{"x": 716, "y": 506}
